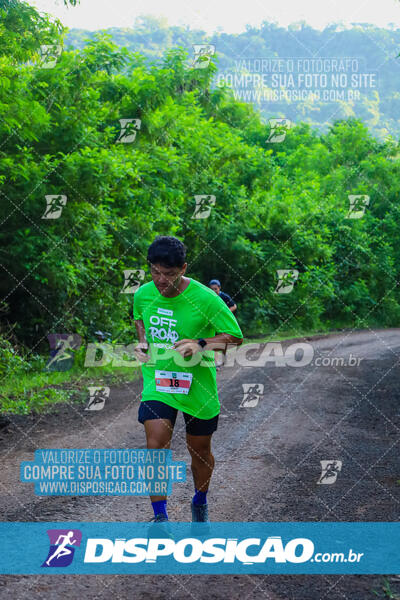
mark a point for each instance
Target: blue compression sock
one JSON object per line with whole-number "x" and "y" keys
{"x": 160, "y": 508}
{"x": 200, "y": 497}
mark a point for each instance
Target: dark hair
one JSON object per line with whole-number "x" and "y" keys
{"x": 167, "y": 251}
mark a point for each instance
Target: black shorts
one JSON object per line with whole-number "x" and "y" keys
{"x": 154, "y": 409}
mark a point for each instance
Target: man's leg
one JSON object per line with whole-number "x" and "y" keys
{"x": 158, "y": 419}
{"x": 158, "y": 436}
{"x": 198, "y": 440}
{"x": 199, "y": 447}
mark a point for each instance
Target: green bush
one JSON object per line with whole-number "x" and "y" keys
{"x": 278, "y": 206}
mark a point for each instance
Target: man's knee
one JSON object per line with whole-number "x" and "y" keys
{"x": 158, "y": 433}
{"x": 156, "y": 443}
{"x": 200, "y": 451}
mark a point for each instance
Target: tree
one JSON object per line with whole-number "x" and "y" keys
{"x": 278, "y": 206}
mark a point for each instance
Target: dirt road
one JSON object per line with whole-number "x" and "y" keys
{"x": 267, "y": 467}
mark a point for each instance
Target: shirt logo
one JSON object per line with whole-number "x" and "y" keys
{"x": 165, "y": 311}
{"x": 162, "y": 328}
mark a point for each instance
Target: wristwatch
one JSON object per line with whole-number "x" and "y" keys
{"x": 202, "y": 342}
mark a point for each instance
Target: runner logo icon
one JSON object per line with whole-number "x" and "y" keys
{"x": 329, "y": 471}
{"x": 62, "y": 542}
{"x": 252, "y": 392}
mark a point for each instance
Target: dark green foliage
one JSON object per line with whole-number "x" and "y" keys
{"x": 375, "y": 51}
{"x": 278, "y": 206}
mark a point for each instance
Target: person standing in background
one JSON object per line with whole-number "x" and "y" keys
{"x": 215, "y": 285}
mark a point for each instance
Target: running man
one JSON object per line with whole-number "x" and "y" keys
{"x": 62, "y": 549}
{"x": 61, "y": 351}
{"x": 215, "y": 285}
{"x": 180, "y": 322}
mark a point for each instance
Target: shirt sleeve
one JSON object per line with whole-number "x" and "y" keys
{"x": 223, "y": 320}
{"x": 227, "y": 299}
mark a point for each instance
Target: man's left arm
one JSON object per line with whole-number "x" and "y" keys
{"x": 224, "y": 321}
{"x": 221, "y": 341}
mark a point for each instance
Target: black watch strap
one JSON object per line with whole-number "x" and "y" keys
{"x": 202, "y": 342}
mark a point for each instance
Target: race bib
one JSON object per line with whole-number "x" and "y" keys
{"x": 173, "y": 382}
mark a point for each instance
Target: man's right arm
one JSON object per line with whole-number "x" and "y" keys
{"x": 143, "y": 346}
{"x": 141, "y": 332}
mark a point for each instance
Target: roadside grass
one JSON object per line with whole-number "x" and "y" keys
{"x": 23, "y": 392}
{"x": 386, "y": 591}
{"x": 26, "y": 388}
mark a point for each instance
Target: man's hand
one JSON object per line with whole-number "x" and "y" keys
{"x": 140, "y": 351}
{"x": 187, "y": 347}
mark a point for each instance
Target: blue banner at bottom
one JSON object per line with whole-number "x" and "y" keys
{"x": 202, "y": 548}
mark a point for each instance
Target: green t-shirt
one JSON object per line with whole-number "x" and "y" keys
{"x": 197, "y": 312}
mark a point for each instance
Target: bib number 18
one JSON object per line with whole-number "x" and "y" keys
{"x": 173, "y": 383}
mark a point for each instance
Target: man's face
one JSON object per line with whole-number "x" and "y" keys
{"x": 167, "y": 279}
{"x": 216, "y": 288}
